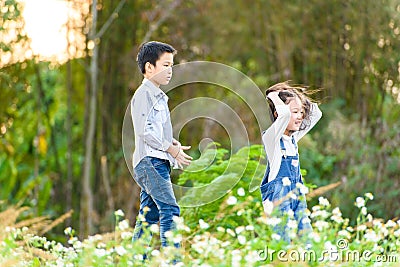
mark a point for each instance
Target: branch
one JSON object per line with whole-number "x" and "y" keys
{"x": 113, "y": 16}
{"x": 157, "y": 24}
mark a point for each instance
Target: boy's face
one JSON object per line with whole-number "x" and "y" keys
{"x": 161, "y": 73}
{"x": 297, "y": 114}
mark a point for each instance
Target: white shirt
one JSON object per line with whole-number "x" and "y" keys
{"x": 271, "y": 137}
{"x": 151, "y": 123}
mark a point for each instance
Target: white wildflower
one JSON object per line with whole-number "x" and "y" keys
{"x": 321, "y": 225}
{"x": 292, "y": 224}
{"x": 250, "y": 228}
{"x": 239, "y": 229}
{"x": 138, "y": 257}
{"x": 154, "y": 228}
{"x": 120, "y": 250}
{"x": 268, "y": 206}
{"x": 203, "y": 224}
{"x": 361, "y": 227}
{"x": 231, "y": 200}
{"x": 336, "y": 211}
{"x": 225, "y": 244}
{"x": 241, "y": 192}
{"x": 273, "y": 221}
{"x": 236, "y": 258}
{"x": 377, "y": 223}
{"x": 275, "y": 236}
{"x": 126, "y": 235}
{"x": 305, "y": 220}
{"x": 155, "y": 253}
{"x": 177, "y": 239}
{"x": 397, "y": 233}
{"x": 390, "y": 224}
{"x": 242, "y": 239}
{"x": 231, "y": 232}
{"x": 68, "y": 231}
{"x": 221, "y": 229}
{"x": 316, "y": 208}
{"x": 324, "y": 201}
{"x": 371, "y": 236}
{"x": 100, "y": 252}
{"x": 123, "y": 225}
{"x": 290, "y": 213}
{"x": 369, "y": 195}
{"x": 345, "y": 234}
{"x": 303, "y": 189}
{"x": 286, "y": 181}
{"x": 364, "y": 211}
{"x": 168, "y": 235}
{"x": 314, "y": 236}
{"x": 360, "y": 202}
{"x": 119, "y": 213}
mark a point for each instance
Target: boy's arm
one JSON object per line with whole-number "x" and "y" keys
{"x": 145, "y": 124}
{"x": 315, "y": 116}
{"x": 151, "y": 130}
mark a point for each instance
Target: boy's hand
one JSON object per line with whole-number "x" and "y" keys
{"x": 176, "y": 151}
{"x": 176, "y": 142}
{"x": 182, "y": 158}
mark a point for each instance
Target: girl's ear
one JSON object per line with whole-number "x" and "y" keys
{"x": 275, "y": 115}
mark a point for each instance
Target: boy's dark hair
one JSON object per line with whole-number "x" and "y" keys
{"x": 151, "y": 52}
{"x": 287, "y": 93}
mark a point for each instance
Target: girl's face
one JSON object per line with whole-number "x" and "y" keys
{"x": 297, "y": 115}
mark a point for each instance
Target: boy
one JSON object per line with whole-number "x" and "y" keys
{"x": 155, "y": 148}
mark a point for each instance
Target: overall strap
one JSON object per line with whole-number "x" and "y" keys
{"x": 294, "y": 142}
{"x": 283, "y": 149}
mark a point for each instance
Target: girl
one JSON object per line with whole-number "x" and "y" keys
{"x": 293, "y": 115}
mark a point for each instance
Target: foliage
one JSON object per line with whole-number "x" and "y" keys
{"x": 364, "y": 159}
{"x": 346, "y": 47}
{"x": 216, "y": 242}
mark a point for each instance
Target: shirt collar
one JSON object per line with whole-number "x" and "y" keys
{"x": 156, "y": 91}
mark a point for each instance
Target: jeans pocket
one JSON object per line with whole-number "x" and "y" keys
{"x": 141, "y": 178}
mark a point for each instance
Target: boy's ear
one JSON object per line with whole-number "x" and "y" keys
{"x": 148, "y": 67}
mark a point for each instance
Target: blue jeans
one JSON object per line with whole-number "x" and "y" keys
{"x": 153, "y": 175}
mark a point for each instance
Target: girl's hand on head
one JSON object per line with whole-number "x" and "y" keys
{"x": 273, "y": 94}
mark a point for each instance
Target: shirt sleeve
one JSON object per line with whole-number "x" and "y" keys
{"x": 271, "y": 138}
{"x": 147, "y": 122}
{"x": 154, "y": 127}
{"x": 315, "y": 116}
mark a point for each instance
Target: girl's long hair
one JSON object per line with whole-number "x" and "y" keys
{"x": 287, "y": 93}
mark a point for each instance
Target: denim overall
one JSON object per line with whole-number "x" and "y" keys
{"x": 275, "y": 190}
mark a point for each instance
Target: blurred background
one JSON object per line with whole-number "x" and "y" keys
{"x": 68, "y": 72}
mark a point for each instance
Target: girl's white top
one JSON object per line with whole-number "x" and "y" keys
{"x": 273, "y": 134}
